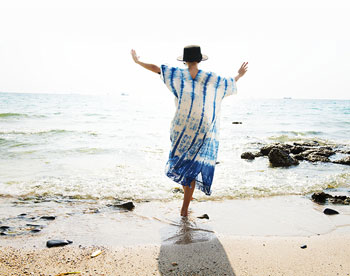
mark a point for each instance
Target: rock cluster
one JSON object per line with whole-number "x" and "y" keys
{"x": 285, "y": 155}
{"x": 344, "y": 161}
{"x": 323, "y": 198}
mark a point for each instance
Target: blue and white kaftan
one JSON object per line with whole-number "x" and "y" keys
{"x": 195, "y": 127}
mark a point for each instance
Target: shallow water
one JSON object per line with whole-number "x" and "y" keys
{"x": 106, "y": 147}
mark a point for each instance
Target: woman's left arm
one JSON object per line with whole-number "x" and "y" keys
{"x": 242, "y": 71}
{"x": 151, "y": 67}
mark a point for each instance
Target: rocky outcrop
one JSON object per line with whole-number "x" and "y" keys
{"x": 323, "y": 198}
{"x": 344, "y": 161}
{"x": 280, "y": 158}
{"x": 315, "y": 157}
{"x": 266, "y": 149}
{"x": 289, "y": 154}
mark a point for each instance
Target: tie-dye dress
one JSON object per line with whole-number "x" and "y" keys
{"x": 194, "y": 130}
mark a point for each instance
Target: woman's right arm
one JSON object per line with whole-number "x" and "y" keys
{"x": 151, "y": 67}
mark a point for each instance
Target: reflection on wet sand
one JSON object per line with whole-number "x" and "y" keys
{"x": 191, "y": 249}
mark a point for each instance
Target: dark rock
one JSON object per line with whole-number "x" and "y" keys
{"x": 22, "y": 215}
{"x": 323, "y": 197}
{"x": 315, "y": 154}
{"x": 329, "y": 211}
{"x": 128, "y": 205}
{"x": 299, "y": 156}
{"x": 303, "y": 246}
{"x": 236, "y": 123}
{"x": 257, "y": 154}
{"x": 344, "y": 161}
{"x": 35, "y": 230}
{"x": 315, "y": 157}
{"x": 248, "y": 155}
{"x": 3, "y": 234}
{"x": 48, "y": 217}
{"x": 320, "y": 197}
{"x": 298, "y": 149}
{"x": 217, "y": 163}
{"x": 279, "y": 158}
{"x": 266, "y": 149}
{"x": 340, "y": 200}
{"x": 307, "y": 152}
{"x": 4, "y": 227}
{"x": 34, "y": 225}
{"x": 205, "y": 216}
{"x": 307, "y": 144}
{"x": 55, "y": 243}
{"x": 325, "y": 151}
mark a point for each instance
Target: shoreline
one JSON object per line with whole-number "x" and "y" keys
{"x": 237, "y": 256}
{"x": 241, "y": 237}
{"x": 84, "y": 222}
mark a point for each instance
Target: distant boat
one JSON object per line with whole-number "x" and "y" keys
{"x": 287, "y": 98}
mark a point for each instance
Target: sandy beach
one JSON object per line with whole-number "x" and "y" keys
{"x": 262, "y": 236}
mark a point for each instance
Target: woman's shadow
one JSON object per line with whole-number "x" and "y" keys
{"x": 189, "y": 249}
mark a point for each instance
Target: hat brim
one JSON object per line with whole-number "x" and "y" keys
{"x": 204, "y": 57}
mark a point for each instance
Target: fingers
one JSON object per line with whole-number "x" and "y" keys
{"x": 244, "y": 67}
{"x": 134, "y": 55}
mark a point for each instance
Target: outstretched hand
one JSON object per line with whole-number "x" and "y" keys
{"x": 148, "y": 66}
{"x": 134, "y": 56}
{"x": 243, "y": 69}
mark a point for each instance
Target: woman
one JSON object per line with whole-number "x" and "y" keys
{"x": 194, "y": 129}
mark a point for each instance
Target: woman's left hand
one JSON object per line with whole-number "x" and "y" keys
{"x": 134, "y": 56}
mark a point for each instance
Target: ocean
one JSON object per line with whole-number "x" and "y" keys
{"x": 106, "y": 147}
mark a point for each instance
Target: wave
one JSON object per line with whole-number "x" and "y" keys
{"x": 63, "y": 189}
{"x": 302, "y": 133}
{"x": 3, "y": 141}
{"x": 44, "y": 132}
{"x": 19, "y": 115}
{"x": 6, "y": 115}
{"x": 286, "y": 138}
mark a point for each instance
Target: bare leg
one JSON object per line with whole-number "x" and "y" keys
{"x": 188, "y": 192}
{"x": 183, "y": 187}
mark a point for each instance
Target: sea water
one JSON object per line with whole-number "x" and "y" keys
{"x": 115, "y": 146}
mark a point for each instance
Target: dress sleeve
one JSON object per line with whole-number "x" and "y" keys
{"x": 228, "y": 87}
{"x": 170, "y": 75}
{"x": 224, "y": 86}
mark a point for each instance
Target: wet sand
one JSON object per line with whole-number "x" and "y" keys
{"x": 242, "y": 237}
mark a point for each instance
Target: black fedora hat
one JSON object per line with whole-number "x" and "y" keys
{"x": 192, "y": 53}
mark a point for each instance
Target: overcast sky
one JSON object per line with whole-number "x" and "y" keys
{"x": 299, "y": 50}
